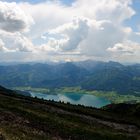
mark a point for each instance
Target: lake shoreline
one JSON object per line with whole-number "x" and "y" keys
{"x": 74, "y": 98}
{"x": 112, "y": 96}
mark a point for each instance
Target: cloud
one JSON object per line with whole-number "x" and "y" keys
{"x": 93, "y": 42}
{"x": 15, "y": 42}
{"x": 115, "y": 10}
{"x": 90, "y": 37}
{"x": 84, "y": 30}
{"x": 2, "y": 47}
{"x": 13, "y": 23}
{"x": 70, "y": 34}
{"x": 24, "y": 44}
{"x": 47, "y": 15}
{"x": 129, "y": 47}
{"x": 50, "y": 15}
{"x": 127, "y": 51}
{"x": 13, "y": 19}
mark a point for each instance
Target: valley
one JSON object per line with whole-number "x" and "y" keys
{"x": 88, "y": 75}
{"x": 69, "y": 69}
{"x": 111, "y": 80}
{"x": 101, "y": 101}
{"x": 35, "y": 119}
{"x": 112, "y": 96}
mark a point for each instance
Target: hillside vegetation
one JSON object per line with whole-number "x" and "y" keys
{"x": 25, "y": 118}
{"x": 89, "y": 75}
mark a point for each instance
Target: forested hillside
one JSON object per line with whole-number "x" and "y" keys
{"x": 89, "y": 75}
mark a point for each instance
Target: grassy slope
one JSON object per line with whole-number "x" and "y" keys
{"x": 23, "y": 118}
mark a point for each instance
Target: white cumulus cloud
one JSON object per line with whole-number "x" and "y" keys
{"x": 71, "y": 35}
{"x": 16, "y": 42}
{"x": 12, "y": 18}
{"x": 90, "y": 29}
{"x": 128, "y": 47}
{"x": 2, "y": 47}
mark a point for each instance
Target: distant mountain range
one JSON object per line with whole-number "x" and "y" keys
{"x": 89, "y": 75}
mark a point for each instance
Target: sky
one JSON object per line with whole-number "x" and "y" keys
{"x": 69, "y": 30}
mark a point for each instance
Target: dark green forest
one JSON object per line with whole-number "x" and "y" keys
{"x": 89, "y": 75}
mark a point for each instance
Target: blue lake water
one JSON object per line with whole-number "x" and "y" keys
{"x": 74, "y": 98}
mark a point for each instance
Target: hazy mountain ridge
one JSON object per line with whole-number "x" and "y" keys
{"x": 90, "y": 75}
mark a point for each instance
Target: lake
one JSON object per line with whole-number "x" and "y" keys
{"x": 74, "y": 98}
